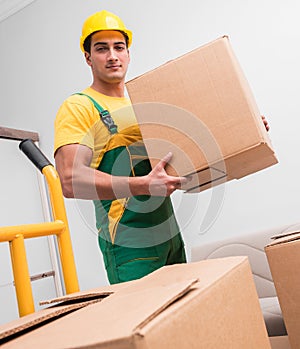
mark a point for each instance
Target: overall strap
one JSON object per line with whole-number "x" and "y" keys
{"x": 104, "y": 115}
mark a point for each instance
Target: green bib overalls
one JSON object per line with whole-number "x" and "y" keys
{"x": 137, "y": 235}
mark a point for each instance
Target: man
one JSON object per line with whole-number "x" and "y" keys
{"x": 102, "y": 158}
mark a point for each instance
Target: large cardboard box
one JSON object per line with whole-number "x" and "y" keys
{"x": 201, "y": 108}
{"x": 284, "y": 260}
{"x": 208, "y": 304}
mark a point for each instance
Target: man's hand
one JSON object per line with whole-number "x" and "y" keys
{"x": 160, "y": 183}
{"x": 265, "y": 123}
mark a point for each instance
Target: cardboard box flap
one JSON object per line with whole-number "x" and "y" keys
{"x": 284, "y": 238}
{"x": 67, "y": 304}
{"x": 78, "y": 296}
{"x": 27, "y": 322}
{"x": 180, "y": 290}
{"x": 285, "y": 234}
{"x": 85, "y": 295}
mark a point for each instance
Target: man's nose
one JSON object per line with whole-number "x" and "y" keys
{"x": 112, "y": 54}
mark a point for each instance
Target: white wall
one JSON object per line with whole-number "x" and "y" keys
{"x": 41, "y": 64}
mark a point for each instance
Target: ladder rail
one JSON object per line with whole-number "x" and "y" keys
{"x": 16, "y": 235}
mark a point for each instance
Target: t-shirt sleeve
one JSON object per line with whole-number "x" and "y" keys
{"x": 75, "y": 123}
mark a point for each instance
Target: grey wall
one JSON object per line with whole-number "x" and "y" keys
{"x": 41, "y": 64}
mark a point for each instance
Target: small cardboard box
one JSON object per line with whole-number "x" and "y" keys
{"x": 200, "y": 107}
{"x": 284, "y": 260}
{"x": 208, "y": 304}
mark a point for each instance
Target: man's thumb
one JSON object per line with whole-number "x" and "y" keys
{"x": 163, "y": 162}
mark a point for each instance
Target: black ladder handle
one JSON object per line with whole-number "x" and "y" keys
{"x": 34, "y": 154}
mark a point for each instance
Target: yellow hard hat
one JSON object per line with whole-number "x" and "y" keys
{"x": 103, "y": 20}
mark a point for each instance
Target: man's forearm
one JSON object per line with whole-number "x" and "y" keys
{"x": 92, "y": 184}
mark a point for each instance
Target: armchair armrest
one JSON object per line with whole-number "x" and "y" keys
{"x": 251, "y": 245}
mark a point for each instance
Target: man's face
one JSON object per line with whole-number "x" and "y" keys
{"x": 109, "y": 57}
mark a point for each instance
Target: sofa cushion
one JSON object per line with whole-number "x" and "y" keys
{"x": 273, "y": 316}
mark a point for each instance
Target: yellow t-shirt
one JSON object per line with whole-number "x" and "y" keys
{"x": 78, "y": 122}
{"x": 139, "y": 221}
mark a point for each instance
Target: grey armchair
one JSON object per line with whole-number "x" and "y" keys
{"x": 252, "y": 245}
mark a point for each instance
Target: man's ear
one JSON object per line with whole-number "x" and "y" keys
{"x": 88, "y": 58}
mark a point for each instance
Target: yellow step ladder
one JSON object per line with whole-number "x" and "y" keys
{"x": 15, "y": 235}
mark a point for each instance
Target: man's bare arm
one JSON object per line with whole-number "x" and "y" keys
{"x": 81, "y": 181}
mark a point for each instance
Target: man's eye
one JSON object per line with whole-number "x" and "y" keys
{"x": 101, "y": 49}
{"x": 120, "y": 48}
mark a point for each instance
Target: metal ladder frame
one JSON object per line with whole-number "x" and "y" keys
{"x": 16, "y": 235}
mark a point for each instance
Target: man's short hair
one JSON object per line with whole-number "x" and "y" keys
{"x": 88, "y": 41}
